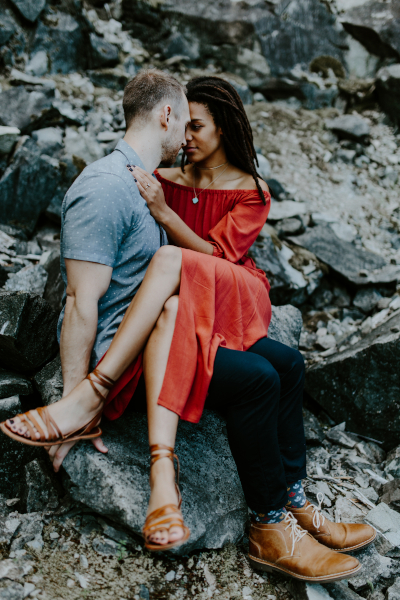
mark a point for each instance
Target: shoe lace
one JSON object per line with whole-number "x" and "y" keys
{"x": 318, "y": 517}
{"x": 296, "y": 531}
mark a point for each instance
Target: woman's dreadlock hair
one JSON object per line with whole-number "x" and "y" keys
{"x": 227, "y": 110}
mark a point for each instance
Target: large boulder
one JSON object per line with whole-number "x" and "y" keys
{"x": 102, "y": 53}
{"x": 14, "y": 384}
{"x": 116, "y": 484}
{"x": 27, "y": 186}
{"x": 28, "y": 327}
{"x": 27, "y": 110}
{"x": 361, "y": 384}
{"x": 377, "y": 26}
{"x": 388, "y": 90}
{"x": 49, "y": 381}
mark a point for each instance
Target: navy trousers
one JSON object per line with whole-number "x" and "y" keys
{"x": 260, "y": 392}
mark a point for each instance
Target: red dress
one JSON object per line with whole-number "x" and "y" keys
{"x": 223, "y": 299}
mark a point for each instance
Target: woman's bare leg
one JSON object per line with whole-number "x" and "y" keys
{"x": 162, "y": 280}
{"x": 162, "y": 422}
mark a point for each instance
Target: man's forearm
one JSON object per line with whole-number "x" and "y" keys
{"x": 77, "y": 338}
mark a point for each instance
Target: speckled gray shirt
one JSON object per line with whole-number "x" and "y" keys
{"x": 105, "y": 220}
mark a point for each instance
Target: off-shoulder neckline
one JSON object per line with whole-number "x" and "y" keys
{"x": 190, "y": 188}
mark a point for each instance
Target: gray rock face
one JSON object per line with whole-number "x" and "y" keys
{"x": 14, "y": 591}
{"x": 388, "y": 90}
{"x": 27, "y": 186}
{"x": 393, "y": 592}
{"x": 49, "y": 381}
{"x": 360, "y": 385}
{"x": 29, "y": 279}
{"x": 8, "y": 137}
{"x": 312, "y": 429}
{"x": 64, "y": 41}
{"x": 366, "y": 300}
{"x": 13, "y": 384}
{"x": 26, "y": 110}
{"x": 356, "y": 266}
{"x": 116, "y": 485}
{"x": 55, "y": 285}
{"x": 351, "y": 127}
{"x": 30, "y": 9}
{"x": 376, "y": 569}
{"x": 391, "y": 494}
{"x": 37, "y": 491}
{"x": 393, "y": 463}
{"x": 103, "y": 54}
{"x": 7, "y": 29}
{"x": 286, "y": 325}
{"x": 13, "y": 454}
{"x": 27, "y": 331}
{"x": 48, "y": 139}
{"x": 377, "y": 26}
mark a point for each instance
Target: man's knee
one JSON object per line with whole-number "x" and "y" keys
{"x": 297, "y": 362}
{"x": 167, "y": 258}
{"x": 265, "y": 377}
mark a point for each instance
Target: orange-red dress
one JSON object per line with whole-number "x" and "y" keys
{"x": 223, "y": 299}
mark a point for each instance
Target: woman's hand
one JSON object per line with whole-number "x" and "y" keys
{"x": 151, "y": 190}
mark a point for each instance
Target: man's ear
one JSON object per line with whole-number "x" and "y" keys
{"x": 165, "y": 116}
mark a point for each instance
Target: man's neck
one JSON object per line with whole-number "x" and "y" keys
{"x": 147, "y": 146}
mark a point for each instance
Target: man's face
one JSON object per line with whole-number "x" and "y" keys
{"x": 175, "y": 139}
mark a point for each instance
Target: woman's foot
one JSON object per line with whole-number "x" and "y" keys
{"x": 70, "y": 413}
{"x": 163, "y": 492}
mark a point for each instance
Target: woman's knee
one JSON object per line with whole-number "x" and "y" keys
{"x": 169, "y": 312}
{"x": 167, "y": 259}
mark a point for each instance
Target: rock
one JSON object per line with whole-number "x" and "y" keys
{"x": 105, "y": 547}
{"x": 54, "y": 289}
{"x": 7, "y": 28}
{"x": 352, "y": 127}
{"x": 13, "y": 454}
{"x": 27, "y": 186}
{"x": 312, "y": 429}
{"x": 360, "y": 385}
{"x": 8, "y": 137}
{"x": 8, "y": 527}
{"x": 49, "y": 139}
{"x": 384, "y": 518}
{"x": 14, "y": 591}
{"x": 102, "y": 53}
{"x": 390, "y": 494}
{"x": 286, "y": 324}
{"x": 27, "y": 331}
{"x": 340, "y": 437}
{"x": 30, "y": 9}
{"x": 38, "y": 64}
{"x": 288, "y": 227}
{"x": 83, "y": 144}
{"x": 18, "y": 78}
{"x": 339, "y": 590}
{"x": 71, "y": 167}
{"x": 29, "y": 279}
{"x": 248, "y": 64}
{"x": 64, "y": 40}
{"x": 377, "y": 26}
{"x": 393, "y": 463}
{"x": 13, "y": 384}
{"x": 287, "y": 283}
{"x": 376, "y": 570}
{"x": 38, "y": 492}
{"x": 49, "y": 381}
{"x": 276, "y": 188}
{"x": 366, "y": 300}
{"x": 388, "y": 90}
{"x": 26, "y": 110}
{"x": 314, "y": 591}
{"x": 113, "y": 79}
{"x": 116, "y": 484}
{"x": 30, "y": 532}
{"x": 393, "y": 592}
{"x": 286, "y": 209}
{"x": 345, "y": 259}
{"x": 264, "y": 167}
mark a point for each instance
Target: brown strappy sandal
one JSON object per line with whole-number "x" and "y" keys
{"x": 169, "y": 515}
{"x": 54, "y": 436}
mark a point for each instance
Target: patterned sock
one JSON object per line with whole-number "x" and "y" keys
{"x": 296, "y": 495}
{"x": 272, "y": 516}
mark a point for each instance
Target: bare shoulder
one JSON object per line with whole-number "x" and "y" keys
{"x": 263, "y": 185}
{"x": 172, "y": 174}
{"x": 248, "y": 182}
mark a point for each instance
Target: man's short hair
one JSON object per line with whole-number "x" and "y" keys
{"x": 145, "y": 91}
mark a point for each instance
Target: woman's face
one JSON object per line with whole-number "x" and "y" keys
{"x": 203, "y": 137}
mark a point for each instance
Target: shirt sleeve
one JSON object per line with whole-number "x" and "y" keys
{"x": 233, "y": 235}
{"x": 97, "y": 215}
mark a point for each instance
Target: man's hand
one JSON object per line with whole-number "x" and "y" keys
{"x": 151, "y": 190}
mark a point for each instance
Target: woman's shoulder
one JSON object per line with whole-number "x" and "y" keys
{"x": 247, "y": 182}
{"x": 173, "y": 174}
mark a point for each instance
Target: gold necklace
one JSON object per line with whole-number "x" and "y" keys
{"x": 195, "y": 199}
{"x": 211, "y": 168}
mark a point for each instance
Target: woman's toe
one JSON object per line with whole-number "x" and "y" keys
{"x": 176, "y": 534}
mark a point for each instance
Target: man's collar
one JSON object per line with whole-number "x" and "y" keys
{"x": 131, "y": 156}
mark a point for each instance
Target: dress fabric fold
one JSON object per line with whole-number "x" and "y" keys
{"x": 223, "y": 298}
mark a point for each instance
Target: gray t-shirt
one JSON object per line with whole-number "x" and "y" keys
{"x": 105, "y": 220}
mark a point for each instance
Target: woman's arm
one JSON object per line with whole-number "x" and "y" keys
{"x": 178, "y": 232}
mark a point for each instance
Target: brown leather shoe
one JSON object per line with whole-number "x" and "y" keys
{"x": 286, "y": 548}
{"x": 342, "y": 537}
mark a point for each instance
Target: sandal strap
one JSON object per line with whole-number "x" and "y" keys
{"x": 163, "y": 518}
{"x": 158, "y": 451}
{"x": 101, "y": 379}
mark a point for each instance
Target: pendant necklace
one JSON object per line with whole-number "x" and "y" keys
{"x": 195, "y": 199}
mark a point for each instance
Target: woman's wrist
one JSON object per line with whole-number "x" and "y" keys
{"x": 165, "y": 217}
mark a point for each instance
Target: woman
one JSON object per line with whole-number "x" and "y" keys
{"x": 223, "y": 301}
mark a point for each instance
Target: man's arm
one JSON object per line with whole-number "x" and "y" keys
{"x": 87, "y": 283}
